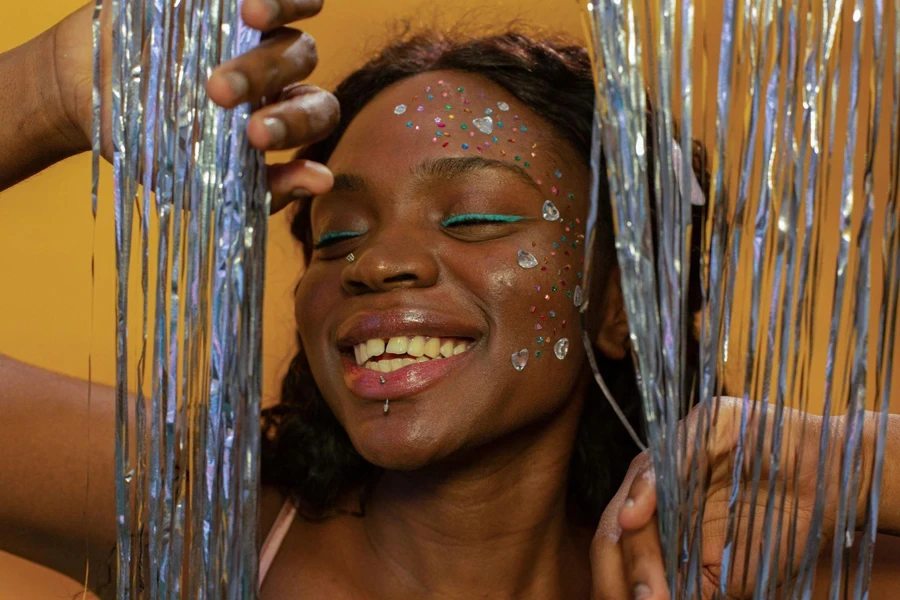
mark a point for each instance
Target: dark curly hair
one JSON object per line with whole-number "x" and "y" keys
{"x": 306, "y": 452}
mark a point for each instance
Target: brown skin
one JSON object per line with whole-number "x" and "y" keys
{"x": 474, "y": 504}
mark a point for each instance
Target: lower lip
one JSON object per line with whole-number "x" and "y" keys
{"x": 367, "y": 384}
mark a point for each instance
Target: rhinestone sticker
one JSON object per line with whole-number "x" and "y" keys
{"x": 484, "y": 124}
{"x": 401, "y": 108}
{"x": 579, "y": 298}
{"x": 561, "y": 348}
{"x": 503, "y": 106}
{"x": 520, "y": 359}
{"x": 550, "y": 212}
{"x": 527, "y": 260}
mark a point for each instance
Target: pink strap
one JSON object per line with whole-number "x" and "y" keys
{"x": 274, "y": 538}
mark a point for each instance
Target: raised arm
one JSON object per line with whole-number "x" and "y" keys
{"x": 40, "y": 82}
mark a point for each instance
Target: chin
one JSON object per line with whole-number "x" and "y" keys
{"x": 401, "y": 440}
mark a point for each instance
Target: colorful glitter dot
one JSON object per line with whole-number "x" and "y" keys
{"x": 556, "y": 245}
{"x": 499, "y": 123}
{"x": 439, "y": 134}
{"x": 569, "y": 294}
{"x": 555, "y": 190}
{"x": 430, "y": 97}
{"x": 409, "y": 124}
{"x": 540, "y": 340}
{"x": 533, "y": 308}
{"x": 553, "y": 288}
{"x": 571, "y": 196}
{"x": 459, "y": 89}
{"x": 518, "y": 158}
{"x": 421, "y": 109}
{"x": 523, "y": 128}
{"x": 538, "y": 354}
{"x": 538, "y": 327}
{"x": 488, "y": 111}
{"x": 527, "y": 165}
{"x": 465, "y": 146}
{"x": 552, "y": 314}
{"x": 445, "y": 144}
{"x": 563, "y": 238}
{"x": 558, "y": 174}
{"x": 428, "y": 88}
{"x": 579, "y": 276}
{"x": 495, "y": 139}
{"x": 463, "y": 126}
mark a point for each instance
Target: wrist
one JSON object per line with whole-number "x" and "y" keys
{"x": 67, "y": 92}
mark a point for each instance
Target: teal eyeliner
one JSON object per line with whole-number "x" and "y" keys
{"x": 332, "y": 237}
{"x": 477, "y": 218}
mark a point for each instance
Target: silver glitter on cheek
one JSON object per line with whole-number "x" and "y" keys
{"x": 503, "y": 106}
{"x": 527, "y": 260}
{"x": 561, "y": 348}
{"x": 484, "y": 125}
{"x": 579, "y": 296}
{"x": 401, "y": 108}
{"x": 550, "y": 212}
{"x": 520, "y": 359}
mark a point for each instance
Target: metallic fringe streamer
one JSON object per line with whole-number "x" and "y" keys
{"x": 187, "y": 501}
{"x": 766, "y": 270}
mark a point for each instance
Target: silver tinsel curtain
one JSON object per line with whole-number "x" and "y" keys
{"x": 799, "y": 288}
{"x": 804, "y": 163}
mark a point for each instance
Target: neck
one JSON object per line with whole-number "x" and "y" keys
{"x": 494, "y": 525}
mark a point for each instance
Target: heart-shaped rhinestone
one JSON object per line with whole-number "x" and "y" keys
{"x": 520, "y": 359}
{"x": 484, "y": 125}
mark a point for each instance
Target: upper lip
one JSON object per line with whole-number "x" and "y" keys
{"x": 407, "y": 321}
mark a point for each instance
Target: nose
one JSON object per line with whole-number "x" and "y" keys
{"x": 392, "y": 260}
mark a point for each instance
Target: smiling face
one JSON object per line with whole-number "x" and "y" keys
{"x": 461, "y": 290}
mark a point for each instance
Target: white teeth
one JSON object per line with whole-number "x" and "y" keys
{"x": 397, "y": 345}
{"x": 433, "y": 347}
{"x": 416, "y": 346}
{"x": 375, "y": 347}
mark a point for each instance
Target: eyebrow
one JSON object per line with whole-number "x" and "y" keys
{"x": 441, "y": 168}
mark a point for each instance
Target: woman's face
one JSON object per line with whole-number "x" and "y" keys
{"x": 441, "y": 182}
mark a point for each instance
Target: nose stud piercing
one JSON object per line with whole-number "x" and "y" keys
{"x": 351, "y": 258}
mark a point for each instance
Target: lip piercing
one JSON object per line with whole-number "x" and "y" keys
{"x": 382, "y": 380}
{"x": 351, "y": 257}
{"x": 386, "y": 406}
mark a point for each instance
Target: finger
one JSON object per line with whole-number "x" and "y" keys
{"x": 266, "y": 15}
{"x": 644, "y": 567}
{"x": 640, "y": 505}
{"x": 284, "y": 57}
{"x": 305, "y": 115}
{"x": 608, "y": 579}
{"x": 296, "y": 180}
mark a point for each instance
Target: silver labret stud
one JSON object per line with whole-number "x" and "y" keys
{"x": 386, "y": 406}
{"x": 382, "y": 380}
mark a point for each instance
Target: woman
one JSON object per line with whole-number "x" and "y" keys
{"x": 426, "y": 453}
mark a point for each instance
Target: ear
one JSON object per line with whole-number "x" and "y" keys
{"x": 613, "y": 339}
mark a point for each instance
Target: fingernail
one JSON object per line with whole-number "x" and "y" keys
{"x": 641, "y": 591}
{"x": 629, "y": 502}
{"x": 300, "y": 193}
{"x": 277, "y": 130}
{"x": 273, "y": 10}
{"x": 238, "y": 84}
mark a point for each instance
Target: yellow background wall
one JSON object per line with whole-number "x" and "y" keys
{"x": 46, "y": 229}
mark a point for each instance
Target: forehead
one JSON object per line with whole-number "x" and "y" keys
{"x": 450, "y": 114}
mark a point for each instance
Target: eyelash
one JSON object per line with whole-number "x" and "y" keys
{"x": 333, "y": 237}
{"x": 479, "y": 219}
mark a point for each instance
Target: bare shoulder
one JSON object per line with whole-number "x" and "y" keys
{"x": 319, "y": 560}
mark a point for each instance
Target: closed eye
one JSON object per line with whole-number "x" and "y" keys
{"x": 333, "y": 237}
{"x": 479, "y": 219}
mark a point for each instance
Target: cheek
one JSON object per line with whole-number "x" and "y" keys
{"x": 311, "y": 303}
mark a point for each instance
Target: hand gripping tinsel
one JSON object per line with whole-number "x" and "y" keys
{"x": 786, "y": 260}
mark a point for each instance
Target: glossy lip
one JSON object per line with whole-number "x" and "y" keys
{"x": 384, "y": 324}
{"x": 402, "y": 383}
